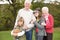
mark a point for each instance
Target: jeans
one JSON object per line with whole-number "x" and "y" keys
{"x": 38, "y": 37}
{"x": 29, "y": 35}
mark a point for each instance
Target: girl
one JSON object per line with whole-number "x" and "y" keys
{"x": 18, "y": 31}
{"x": 39, "y": 24}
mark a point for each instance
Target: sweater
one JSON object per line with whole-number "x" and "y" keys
{"x": 27, "y": 16}
{"x": 49, "y": 24}
{"x": 40, "y": 29}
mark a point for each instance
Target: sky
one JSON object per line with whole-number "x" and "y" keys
{"x": 58, "y": 0}
{"x": 47, "y": 1}
{"x": 5, "y": 2}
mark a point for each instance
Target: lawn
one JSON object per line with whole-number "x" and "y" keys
{"x": 56, "y": 35}
{"x": 5, "y": 35}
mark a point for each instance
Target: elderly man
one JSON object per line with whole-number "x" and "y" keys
{"x": 27, "y": 15}
{"x": 49, "y": 23}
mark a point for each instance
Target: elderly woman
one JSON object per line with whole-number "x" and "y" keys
{"x": 49, "y": 23}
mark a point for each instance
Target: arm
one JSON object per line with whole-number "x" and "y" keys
{"x": 15, "y": 23}
{"x": 12, "y": 32}
{"x": 21, "y": 33}
{"x": 18, "y": 34}
{"x": 38, "y": 25}
{"x": 17, "y": 18}
{"x": 31, "y": 25}
{"x": 41, "y": 23}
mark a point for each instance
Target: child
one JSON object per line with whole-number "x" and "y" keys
{"x": 39, "y": 24}
{"x": 18, "y": 31}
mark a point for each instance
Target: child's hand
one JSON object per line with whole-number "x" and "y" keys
{"x": 15, "y": 34}
{"x": 43, "y": 24}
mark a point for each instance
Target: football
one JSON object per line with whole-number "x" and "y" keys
{"x": 16, "y": 31}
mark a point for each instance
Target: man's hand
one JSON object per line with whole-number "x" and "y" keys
{"x": 31, "y": 21}
{"x": 25, "y": 27}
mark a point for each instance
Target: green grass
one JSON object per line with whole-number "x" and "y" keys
{"x": 5, "y": 35}
{"x": 56, "y": 35}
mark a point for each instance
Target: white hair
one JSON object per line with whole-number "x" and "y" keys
{"x": 28, "y": 1}
{"x": 45, "y": 9}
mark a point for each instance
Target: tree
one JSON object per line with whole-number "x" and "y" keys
{"x": 8, "y": 14}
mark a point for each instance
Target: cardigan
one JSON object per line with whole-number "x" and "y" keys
{"x": 40, "y": 29}
{"x": 49, "y": 24}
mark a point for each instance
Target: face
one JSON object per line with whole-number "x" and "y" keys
{"x": 36, "y": 14}
{"x": 27, "y": 5}
{"x": 20, "y": 23}
{"x": 44, "y": 12}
